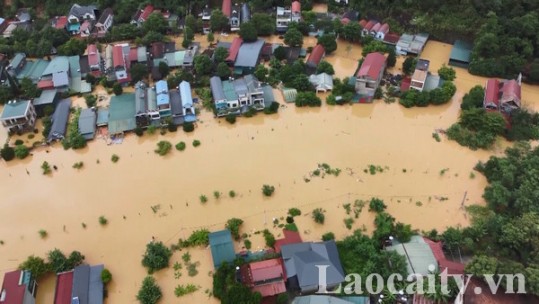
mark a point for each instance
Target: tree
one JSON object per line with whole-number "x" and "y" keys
{"x": 325, "y": 67}
{"x": 293, "y": 37}
{"x": 6, "y": 94}
{"x": 318, "y": 215}
{"x": 163, "y": 147}
{"x": 373, "y": 47}
{"x": 220, "y": 54}
{"x": 233, "y": 225}
{"x": 149, "y": 292}
{"x": 408, "y": 66}
{"x": 473, "y": 99}
{"x": 263, "y": 23}
{"x": 60, "y": 263}
{"x": 203, "y": 65}
{"x": 156, "y": 257}
{"x": 138, "y": 72}
{"x": 21, "y": 151}
{"x": 155, "y": 23}
{"x": 351, "y": 32}
{"x": 279, "y": 53}
{"x": 91, "y": 100}
{"x": 163, "y": 69}
{"x": 391, "y": 57}
{"x": 191, "y": 22}
{"x": 481, "y": 265}
{"x": 301, "y": 83}
{"x": 447, "y": 73}
{"x": 7, "y": 153}
{"x": 117, "y": 89}
{"x": 223, "y": 70}
{"x": 329, "y": 42}
{"x": 218, "y": 21}
{"x": 106, "y": 276}
{"x": 29, "y": 89}
{"x": 151, "y": 37}
{"x": 188, "y": 37}
{"x": 210, "y": 37}
{"x": 377, "y": 205}
{"x": 268, "y": 190}
{"x": 248, "y": 32}
{"x": 36, "y": 265}
{"x": 72, "y": 47}
{"x": 188, "y": 127}
{"x": 261, "y": 72}
{"x": 307, "y": 99}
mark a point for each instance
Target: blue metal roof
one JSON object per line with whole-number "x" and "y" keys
{"x": 161, "y": 86}
{"x": 185, "y": 93}
{"x": 222, "y": 247}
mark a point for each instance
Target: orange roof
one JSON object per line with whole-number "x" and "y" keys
{"x": 234, "y": 49}
{"x": 296, "y": 7}
{"x": 316, "y": 54}
{"x": 227, "y": 7}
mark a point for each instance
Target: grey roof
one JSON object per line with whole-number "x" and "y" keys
{"x": 81, "y": 281}
{"x": 302, "y": 259}
{"x": 268, "y": 95}
{"x": 15, "y": 109}
{"x": 224, "y": 44}
{"x": 319, "y": 299}
{"x": 95, "y": 290}
{"x": 102, "y": 117}
{"x": 122, "y": 113}
{"x": 74, "y": 66}
{"x": 249, "y": 53}
{"x": 245, "y": 13}
{"x": 240, "y": 86}
{"x": 84, "y": 65}
{"x": 252, "y": 83}
{"x": 216, "y": 86}
{"x": 418, "y": 255}
{"x": 79, "y": 11}
{"x": 87, "y": 120}
{"x": 23, "y": 15}
{"x": 142, "y": 55}
{"x": 46, "y": 97}
{"x": 152, "y": 99}
{"x": 104, "y": 15}
{"x": 57, "y": 65}
{"x": 59, "y": 120}
{"x": 140, "y": 97}
{"x": 60, "y": 79}
{"x": 176, "y": 103}
{"x": 190, "y": 53}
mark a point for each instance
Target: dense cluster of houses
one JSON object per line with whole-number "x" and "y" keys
{"x": 82, "y": 285}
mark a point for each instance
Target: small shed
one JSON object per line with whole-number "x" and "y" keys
{"x": 289, "y": 94}
{"x": 59, "y": 121}
{"x": 102, "y": 117}
{"x": 87, "y": 123}
{"x": 222, "y": 247}
{"x": 460, "y": 54}
{"x": 322, "y": 82}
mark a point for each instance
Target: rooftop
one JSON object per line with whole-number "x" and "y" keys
{"x": 46, "y": 97}
{"x": 248, "y": 53}
{"x": 14, "y": 292}
{"x": 418, "y": 255}
{"x": 87, "y": 124}
{"x": 222, "y": 247}
{"x": 461, "y": 51}
{"x": 59, "y": 120}
{"x": 316, "y": 55}
{"x": 57, "y": 65}
{"x": 15, "y": 109}
{"x": 372, "y": 66}
{"x": 64, "y": 286}
{"x": 122, "y": 112}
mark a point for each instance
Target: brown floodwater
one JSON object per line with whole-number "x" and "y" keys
{"x": 280, "y": 150}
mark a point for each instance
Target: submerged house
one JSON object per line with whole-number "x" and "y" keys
{"x": 94, "y": 60}
{"x": 315, "y": 57}
{"x": 141, "y": 15}
{"x": 222, "y": 247}
{"x": 87, "y": 123}
{"x": 60, "y": 119}
{"x": 234, "y": 18}
{"x": 163, "y": 98}
{"x": 56, "y": 75}
{"x": 248, "y": 56}
{"x": 420, "y": 75}
{"x": 82, "y": 285}
{"x": 503, "y": 95}
{"x": 122, "y": 112}
{"x": 48, "y": 98}
{"x": 120, "y": 55}
{"x": 205, "y": 16}
{"x": 230, "y": 96}
{"x": 369, "y": 75}
{"x": 187, "y": 102}
{"x": 141, "y": 104}
{"x": 418, "y": 254}
{"x": 18, "y": 287}
{"x": 302, "y": 262}
{"x": 245, "y": 13}
{"x": 283, "y": 19}
{"x": 411, "y": 44}
{"x": 322, "y": 82}
{"x": 266, "y": 277}
{"x": 295, "y": 11}
{"x": 18, "y": 116}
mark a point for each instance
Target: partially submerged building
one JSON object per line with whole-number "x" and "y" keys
{"x": 122, "y": 112}
{"x": 302, "y": 262}
{"x": 419, "y": 77}
{"x": 48, "y": 98}
{"x": 322, "y": 82}
{"x": 411, "y": 44}
{"x": 18, "y": 287}
{"x": 82, "y": 285}
{"x": 188, "y": 108}
{"x": 87, "y": 123}
{"x": 59, "y": 118}
{"x": 419, "y": 257}
{"x": 461, "y": 54}
{"x": 234, "y": 95}
{"x": 283, "y": 19}
{"x": 18, "y": 116}
{"x": 248, "y": 56}
{"x": 503, "y": 95}
{"x": 369, "y": 76}
{"x": 163, "y": 98}
{"x": 315, "y": 57}
{"x": 222, "y": 247}
{"x": 265, "y": 277}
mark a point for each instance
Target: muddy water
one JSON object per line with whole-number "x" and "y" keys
{"x": 280, "y": 150}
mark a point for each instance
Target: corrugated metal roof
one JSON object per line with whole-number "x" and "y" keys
{"x": 14, "y": 293}
{"x": 216, "y": 86}
{"x": 15, "y": 109}
{"x": 185, "y": 94}
{"x": 229, "y": 91}
{"x": 234, "y": 49}
{"x": 64, "y": 286}
{"x": 222, "y": 247}
{"x": 249, "y": 53}
{"x": 418, "y": 255}
{"x": 122, "y": 113}
{"x": 102, "y": 117}
{"x": 95, "y": 290}
{"x": 319, "y": 299}
{"x": 46, "y": 97}
{"x": 57, "y": 65}
{"x": 372, "y": 66}
{"x": 60, "y": 117}
{"x": 461, "y": 51}
{"x": 87, "y": 123}
{"x": 316, "y": 55}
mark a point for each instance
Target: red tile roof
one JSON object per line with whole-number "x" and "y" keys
{"x": 272, "y": 289}
{"x": 376, "y": 27}
{"x": 443, "y": 263}
{"x": 491, "y": 91}
{"x": 511, "y": 90}
{"x": 266, "y": 270}
{"x": 118, "y": 56}
{"x": 372, "y": 66}
{"x": 45, "y": 84}
{"x": 345, "y": 21}
{"x": 227, "y": 7}
{"x": 290, "y": 237}
{"x": 405, "y": 84}
{"x": 266, "y": 277}
{"x": 133, "y": 54}
{"x": 362, "y": 23}
{"x": 369, "y": 25}
{"x": 316, "y": 54}
{"x": 296, "y": 7}
{"x": 384, "y": 28}
{"x": 61, "y": 22}
{"x": 234, "y": 49}
{"x": 14, "y": 291}
{"x": 158, "y": 49}
{"x": 93, "y": 56}
{"x": 392, "y": 38}
{"x": 148, "y": 10}
{"x": 64, "y": 286}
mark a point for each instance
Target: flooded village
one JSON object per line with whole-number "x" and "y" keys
{"x": 146, "y": 197}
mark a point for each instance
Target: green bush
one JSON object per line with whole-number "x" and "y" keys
{"x": 139, "y": 131}
{"x": 268, "y": 190}
{"x": 114, "y": 158}
{"x": 106, "y": 276}
{"x": 328, "y": 236}
{"x": 180, "y": 146}
{"x": 149, "y": 292}
{"x": 171, "y": 127}
{"x": 36, "y": 265}
{"x": 247, "y": 244}
{"x": 197, "y": 238}
{"x": 156, "y": 257}
{"x": 188, "y": 127}
{"x": 196, "y": 143}
{"x": 7, "y": 152}
{"x": 377, "y": 205}
{"x": 43, "y": 233}
{"x": 19, "y": 142}
{"x": 103, "y": 220}
{"x": 181, "y": 290}
{"x": 318, "y": 215}
{"x": 269, "y": 238}
{"x": 447, "y": 73}
{"x": 46, "y": 168}
{"x": 348, "y": 222}
{"x": 231, "y": 118}
{"x": 151, "y": 129}
{"x": 203, "y": 199}
{"x": 231, "y": 193}
{"x": 163, "y": 147}
{"x": 21, "y": 151}
{"x": 294, "y": 212}
{"x": 234, "y": 225}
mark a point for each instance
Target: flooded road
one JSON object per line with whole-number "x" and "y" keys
{"x": 423, "y": 182}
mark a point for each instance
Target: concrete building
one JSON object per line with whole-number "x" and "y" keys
{"x": 18, "y": 116}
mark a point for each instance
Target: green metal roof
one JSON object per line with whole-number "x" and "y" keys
{"x": 46, "y": 97}
{"x": 461, "y": 51}
{"x": 230, "y": 92}
{"x": 57, "y": 65}
{"x": 33, "y": 69}
{"x": 268, "y": 95}
{"x": 14, "y": 109}
{"x": 222, "y": 247}
{"x": 418, "y": 255}
{"x": 289, "y": 94}
{"x": 74, "y": 66}
{"x": 122, "y": 113}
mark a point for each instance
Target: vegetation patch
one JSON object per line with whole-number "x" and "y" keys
{"x": 182, "y": 290}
